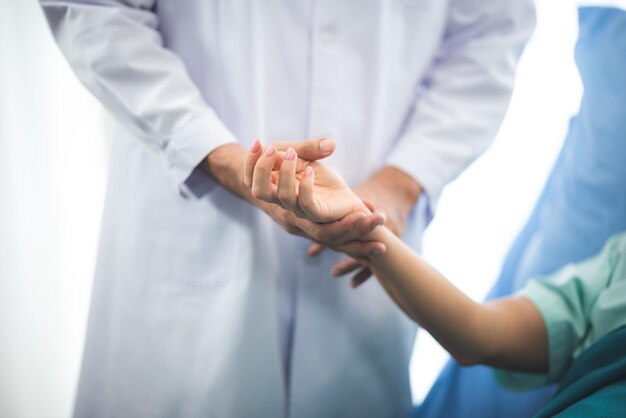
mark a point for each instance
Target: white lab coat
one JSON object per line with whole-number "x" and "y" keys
{"x": 200, "y": 303}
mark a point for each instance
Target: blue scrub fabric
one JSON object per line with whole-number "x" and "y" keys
{"x": 583, "y": 203}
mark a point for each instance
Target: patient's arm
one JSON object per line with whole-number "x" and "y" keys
{"x": 508, "y": 333}
{"x": 321, "y": 198}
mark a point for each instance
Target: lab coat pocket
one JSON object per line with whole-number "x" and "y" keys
{"x": 192, "y": 243}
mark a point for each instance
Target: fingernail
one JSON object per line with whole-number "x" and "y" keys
{"x": 290, "y": 155}
{"x": 308, "y": 171}
{"x": 376, "y": 252}
{"x": 256, "y": 144}
{"x": 325, "y": 145}
{"x": 270, "y": 151}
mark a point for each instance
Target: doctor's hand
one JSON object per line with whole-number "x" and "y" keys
{"x": 310, "y": 199}
{"x": 347, "y": 235}
{"x": 308, "y": 189}
{"x": 395, "y": 193}
{"x": 225, "y": 164}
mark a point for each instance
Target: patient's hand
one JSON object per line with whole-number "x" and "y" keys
{"x": 299, "y": 203}
{"x": 309, "y": 189}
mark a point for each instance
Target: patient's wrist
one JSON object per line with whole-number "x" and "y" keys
{"x": 379, "y": 234}
{"x": 382, "y": 234}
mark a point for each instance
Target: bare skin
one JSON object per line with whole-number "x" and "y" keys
{"x": 508, "y": 333}
{"x": 393, "y": 193}
{"x": 225, "y": 165}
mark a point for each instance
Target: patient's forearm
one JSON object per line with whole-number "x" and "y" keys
{"x": 509, "y": 333}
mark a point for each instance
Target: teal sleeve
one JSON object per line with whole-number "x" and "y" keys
{"x": 565, "y": 300}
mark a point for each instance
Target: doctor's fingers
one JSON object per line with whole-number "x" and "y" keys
{"x": 328, "y": 232}
{"x": 368, "y": 223}
{"x": 352, "y": 227}
{"x": 310, "y": 149}
{"x": 361, "y": 277}
{"x": 362, "y": 227}
{"x": 254, "y": 153}
{"x": 286, "y": 190}
{"x": 360, "y": 251}
{"x": 348, "y": 266}
{"x": 262, "y": 186}
{"x": 306, "y": 196}
{"x": 315, "y": 249}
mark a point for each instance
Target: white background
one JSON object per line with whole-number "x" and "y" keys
{"x": 53, "y": 173}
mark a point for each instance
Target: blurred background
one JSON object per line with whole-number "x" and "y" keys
{"x": 53, "y": 160}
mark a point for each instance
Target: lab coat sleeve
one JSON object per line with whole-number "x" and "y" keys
{"x": 116, "y": 50}
{"x": 465, "y": 93}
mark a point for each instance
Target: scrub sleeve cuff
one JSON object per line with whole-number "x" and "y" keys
{"x": 561, "y": 339}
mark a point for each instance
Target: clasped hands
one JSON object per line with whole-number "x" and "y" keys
{"x": 299, "y": 193}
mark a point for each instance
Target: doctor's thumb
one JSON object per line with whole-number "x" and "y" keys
{"x": 310, "y": 149}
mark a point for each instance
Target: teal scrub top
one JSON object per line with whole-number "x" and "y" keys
{"x": 580, "y": 304}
